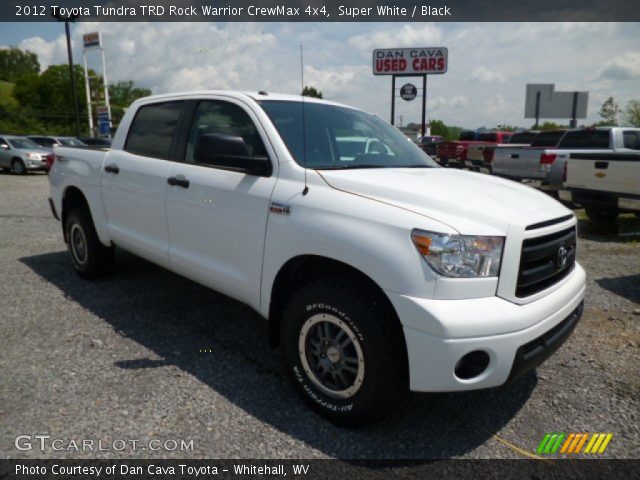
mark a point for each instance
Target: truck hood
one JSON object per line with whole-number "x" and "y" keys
{"x": 471, "y": 203}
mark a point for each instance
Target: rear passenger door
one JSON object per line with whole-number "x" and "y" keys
{"x": 217, "y": 216}
{"x": 134, "y": 181}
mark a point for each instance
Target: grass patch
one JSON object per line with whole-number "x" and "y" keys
{"x": 6, "y": 95}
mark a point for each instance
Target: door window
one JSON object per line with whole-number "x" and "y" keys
{"x": 220, "y": 118}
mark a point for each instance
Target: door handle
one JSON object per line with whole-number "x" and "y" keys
{"x": 112, "y": 168}
{"x": 178, "y": 181}
{"x": 515, "y": 155}
{"x": 602, "y": 165}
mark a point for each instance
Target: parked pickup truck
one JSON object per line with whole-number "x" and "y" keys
{"x": 480, "y": 156}
{"x": 454, "y": 154}
{"x": 547, "y": 164}
{"x": 378, "y": 273}
{"x": 605, "y": 184}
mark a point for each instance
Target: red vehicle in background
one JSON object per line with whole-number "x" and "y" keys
{"x": 454, "y": 153}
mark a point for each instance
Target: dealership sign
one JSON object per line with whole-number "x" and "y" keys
{"x": 408, "y": 92}
{"x": 410, "y": 61}
{"x": 91, "y": 40}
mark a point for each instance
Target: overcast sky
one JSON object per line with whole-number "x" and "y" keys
{"x": 489, "y": 64}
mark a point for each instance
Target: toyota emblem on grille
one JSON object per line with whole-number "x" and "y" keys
{"x": 562, "y": 258}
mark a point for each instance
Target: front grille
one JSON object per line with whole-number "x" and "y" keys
{"x": 541, "y": 261}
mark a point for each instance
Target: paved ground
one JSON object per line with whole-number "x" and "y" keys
{"x": 121, "y": 358}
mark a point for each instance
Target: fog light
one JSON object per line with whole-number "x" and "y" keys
{"x": 472, "y": 365}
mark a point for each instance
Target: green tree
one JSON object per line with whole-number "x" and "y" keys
{"x": 506, "y": 128}
{"x": 121, "y": 95}
{"x": 14, "y": 63}
{"x": 49, "y": 98}
{"x": 609, "y": 113}
{"x": 439, "y": 128}
{"x": 632, "y": 113}
{"x": 549, "y": 126}
{"x": 311, "y": 92}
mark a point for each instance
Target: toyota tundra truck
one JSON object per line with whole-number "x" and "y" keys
{"x": 378, "y": 272}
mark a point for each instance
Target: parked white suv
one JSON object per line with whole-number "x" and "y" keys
{"x": 378, "y": 272}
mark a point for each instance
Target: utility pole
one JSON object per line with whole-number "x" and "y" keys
{"x": 72, "y": 75}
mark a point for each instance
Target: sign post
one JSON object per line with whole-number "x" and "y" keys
{"x": 410, "y": 62}
{"x": 93, "y": 41}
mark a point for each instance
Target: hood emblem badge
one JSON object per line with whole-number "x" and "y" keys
{"x": 280, "y": 208}
{"x": 562, "y": 257}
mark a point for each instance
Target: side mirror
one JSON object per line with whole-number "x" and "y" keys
{"x": 230, "y": 152}
{"x": 4, "y": 146}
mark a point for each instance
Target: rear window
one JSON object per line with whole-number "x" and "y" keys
{"x": 547, "y": 139}
{"x": 467, "y": 136}
{"x": 522, "y": 137}
{"x": 586, "y": 139}
{"x": 152, "y": 130}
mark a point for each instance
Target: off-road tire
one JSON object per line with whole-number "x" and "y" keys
{"x": 97, "y": 259}
{"x": 378, "y": 333}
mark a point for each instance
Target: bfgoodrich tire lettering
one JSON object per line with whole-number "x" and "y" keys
{"x": 90, "y": 258}
{"x": 363, "y": 335}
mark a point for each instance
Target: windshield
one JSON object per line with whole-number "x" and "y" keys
{"x": 332, "y": 137}
{"x": 22, "y": 143}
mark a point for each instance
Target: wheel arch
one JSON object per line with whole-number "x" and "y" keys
{"x": 72, "y": 197}
{"x": 303, "y": 269}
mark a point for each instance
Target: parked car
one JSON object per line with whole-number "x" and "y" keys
{"x": 21, "y": 155}
{"x": 429, "y": 144}
{"x": 480, "y": 156}
{"x": 50, "y": 142}
{"x": 454, "y": 153}
{"x": 96, "y": 141}
{"x": 605, "y": 184}
{"x": 378, "y": 273}
{"x": 546, "y": 165}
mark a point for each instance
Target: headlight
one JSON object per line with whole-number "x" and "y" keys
{"x": 33, "y": 156}
{"x": 463, "y": 256}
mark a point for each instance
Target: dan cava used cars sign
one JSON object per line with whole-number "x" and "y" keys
{"x": 410, "y": 61}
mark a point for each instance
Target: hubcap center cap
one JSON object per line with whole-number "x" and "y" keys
{"x": 333, "y": 354}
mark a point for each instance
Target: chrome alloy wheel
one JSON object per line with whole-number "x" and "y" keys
{"x": 78, "y": 244}
{"x": 331, "y": 355}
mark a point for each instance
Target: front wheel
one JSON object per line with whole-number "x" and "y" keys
{"x": 18, "y": 167}
{"x": 90, "y": 258}
{"x": 344, "y": 351}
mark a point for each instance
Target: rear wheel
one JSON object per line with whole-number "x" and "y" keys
{"x": 18, "y": 167}
{"x": 344, "y": 351}
{"x": 90, "y": 258}
{"x": 602, "y": 215}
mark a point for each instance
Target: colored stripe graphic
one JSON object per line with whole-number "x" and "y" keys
{"x": 573, "y": 443}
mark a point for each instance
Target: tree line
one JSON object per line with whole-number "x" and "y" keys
{"x": 35, "y": 102}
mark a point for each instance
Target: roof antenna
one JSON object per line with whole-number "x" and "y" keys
{"x": 304, "y": 129}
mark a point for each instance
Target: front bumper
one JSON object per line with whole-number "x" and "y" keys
{"x": 439, "y": 333}
{"x": 35, "y": 165}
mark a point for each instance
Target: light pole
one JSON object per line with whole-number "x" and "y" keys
{"x": 66, "y": 20}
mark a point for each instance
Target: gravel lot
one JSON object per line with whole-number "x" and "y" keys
{"x": 121, "y": 358}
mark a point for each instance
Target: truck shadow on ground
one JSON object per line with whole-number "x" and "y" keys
{"x": 176, "y": 319}
{"x": 626, "y": 229}
{"x": 627, "y": 287}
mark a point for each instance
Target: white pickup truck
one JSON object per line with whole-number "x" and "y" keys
{"x": 605, "y": 184}
{"x": 547, "y": 165}
{"x": 378, "y": 273}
